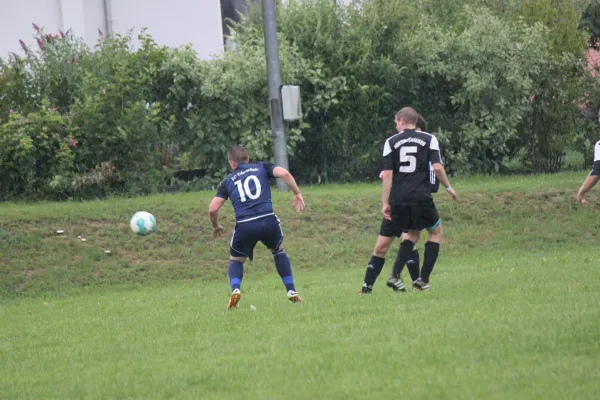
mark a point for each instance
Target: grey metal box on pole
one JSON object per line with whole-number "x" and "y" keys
{"x": 292, "y": 105}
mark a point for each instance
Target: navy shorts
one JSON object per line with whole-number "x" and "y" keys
{"x": 247, "y": 234}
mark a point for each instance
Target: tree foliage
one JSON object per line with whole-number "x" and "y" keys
{"x": 590, "y": 21}
{"x": 497, "y": 81}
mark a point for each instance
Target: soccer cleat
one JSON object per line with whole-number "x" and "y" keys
{"x": 294, "y": 297}
{"x": 420, "y": 285}
{"x": 396, "y": 284}
{"x": 365, "y": 289}
{"x": 234, "y": 299}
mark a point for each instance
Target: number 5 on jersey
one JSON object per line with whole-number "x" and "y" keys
{"x": 244, "y": 189}
{"x": 407, "y": 156}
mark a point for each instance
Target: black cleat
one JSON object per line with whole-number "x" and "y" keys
{"x": 396, "y": 284}
{"x": 420, "y": 285}
{"x": 365, "y": 289}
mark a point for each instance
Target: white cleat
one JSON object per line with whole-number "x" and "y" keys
{"x": 294, "y": 297}
{"x": 234, "y": 299}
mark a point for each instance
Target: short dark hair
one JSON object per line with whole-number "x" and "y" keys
{"x": 421, "y": 123}
{"x": 238, "y": 154}
{"x": 408, "y": 114}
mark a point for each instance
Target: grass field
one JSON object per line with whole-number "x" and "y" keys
{"x": 514, "y": 309}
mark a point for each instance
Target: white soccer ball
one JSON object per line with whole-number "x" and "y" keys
{"x": 143, "y": 223}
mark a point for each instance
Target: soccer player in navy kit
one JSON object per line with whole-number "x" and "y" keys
{"x": 249, "y": 190}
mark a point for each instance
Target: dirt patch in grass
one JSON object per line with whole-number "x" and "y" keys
{"x": 33, "y": 272}
{"x": 499, "y": 199}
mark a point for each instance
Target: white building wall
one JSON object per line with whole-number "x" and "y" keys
{"x": 173, "y": 22}
{"x": 72, "y": 16}
{"x": 16, "y": 18}
{"x": 93, "y": 19}
{"x": 170, "y": 22}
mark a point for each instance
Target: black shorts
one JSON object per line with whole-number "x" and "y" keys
{"x": 389, "y": 229}
{"x": 415, "y": 217}
{"x": 247, "y": 234}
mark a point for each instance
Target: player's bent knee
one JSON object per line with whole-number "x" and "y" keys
{"x": 435, "y": 234}
{"x": 240, "y": 259}
{"x": 413, "y": 236}
{"x": 383, "y": 245}
{"x": 410, "y": 236}
{"x": 381, "y": 249}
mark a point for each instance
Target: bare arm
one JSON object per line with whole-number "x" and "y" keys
{"x": 213, "y": 215}
{"x": 279, "y": 172}
{"x": 589, "y": 183}
{"x": 386, "y": 176}
{"x": 440, "y": 172}
{"x": 297, "y": 201}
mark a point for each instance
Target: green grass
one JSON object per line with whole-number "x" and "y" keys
{"x": 504, "y": 214}
{"x": 514, "y": 310}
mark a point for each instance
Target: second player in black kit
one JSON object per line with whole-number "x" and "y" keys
{"x": 408, "y": 158}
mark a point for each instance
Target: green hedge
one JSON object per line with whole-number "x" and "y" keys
{"x": 502, "y": 84}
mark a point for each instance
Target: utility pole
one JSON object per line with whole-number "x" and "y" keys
{"x": 269, "y": 12}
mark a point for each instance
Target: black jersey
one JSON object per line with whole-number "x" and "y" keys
{"x": 410, "y": 155}
{"x": 435, "y": 182}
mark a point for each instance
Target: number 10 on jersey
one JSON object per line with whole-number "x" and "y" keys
{"x": 244, "y": 189}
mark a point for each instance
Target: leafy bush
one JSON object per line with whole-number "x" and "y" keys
{"x": 496, "y": 70}
{"x": 590, "y": 21}
{"x": 37, "y": 152}
{"x": 500, "y": 82}
{"x": 111, "y": 97}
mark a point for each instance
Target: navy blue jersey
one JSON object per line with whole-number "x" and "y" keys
{"x": 249, "y": 190}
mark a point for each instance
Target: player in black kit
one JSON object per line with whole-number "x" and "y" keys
{"x": 407, "y": 200}
{"x": 387, "y": 233}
